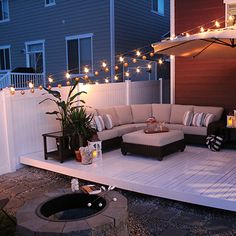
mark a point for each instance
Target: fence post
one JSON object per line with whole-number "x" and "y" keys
{"x": 128, "y": 91}
{"x": 161, "y": 90}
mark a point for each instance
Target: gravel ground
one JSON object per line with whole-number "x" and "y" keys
{"x": 147, "y": 215}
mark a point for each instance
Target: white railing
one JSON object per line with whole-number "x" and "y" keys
{"x": 21, "y": 80}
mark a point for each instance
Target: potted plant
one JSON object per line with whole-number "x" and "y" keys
{"x": 72, "y": 117}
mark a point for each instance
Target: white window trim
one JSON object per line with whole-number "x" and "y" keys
{"x": 26, "y": 52}
{"x": 50, "y": 4}
{"x": 81, "y": 36}
{"x": 227, "y": 3}
{"x": 8, "y": 19}
{"x": 157, "y": 12}
{"x": 7, "y": 47}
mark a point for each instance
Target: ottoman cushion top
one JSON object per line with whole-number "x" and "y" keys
{"x": 157, "y": 139}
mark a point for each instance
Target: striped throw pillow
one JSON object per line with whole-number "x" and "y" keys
{"x": 198, "y": 119}
{"x": 100, "y": 126}
{"x": 187, "y": 118}
{"x": 208, "y": 119}
{"x": 108, "y": 121}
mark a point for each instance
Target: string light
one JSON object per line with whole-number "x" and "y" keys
{"x": 138, "y": 70}
{"x": 49, "y": 87}
{"x": 67, "y": 75}
{"x": 32, "y": 90}
{"x": 68, "y": 83}
{"x": 187, "y": 35}
{"x": 127, "y": 74}
{"x": 149, "y": 66}
{"x": 144, "y": 57}
{"x": 96, "y": 73}
{"x": 40, "y": 87}
{"x": 217, "y": 24}
{"x": 138, "y": 53}
{"x": 31, "y": 85}
{"x": 106, "y": 69}
{"x": 134, "y": 60}
{"x": 202, "y": 29}
{"x": 59, "y": 85}
{"x": 106, "y": 80}
{"x": 77, "y": 79}
{"x": 12, "y": 90}
{"x": 116, "y": 67}
{"x": 151, "y": 54}
{"x": 22, "y": 92}
{"x": 126, "y": 64}
{"x": 121, "y": 59}
{"x": 96, "y": 82}
{"x": 231, "y": 18}
{"x": 104, "y": 64}
{"x": 160, "y": 61}
{"x": 86, "y": 70}
{"x": 116, "y": 77}
{"x": 172, "y": 37}
{"x": 86, "y": 77}
{"x": 50, "y": 79}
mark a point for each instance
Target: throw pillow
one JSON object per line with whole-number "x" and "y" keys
{"x": 198, "y": 119}
{"x": 208, "y": 119}
{"x": 108, "y": 121}
{"x": 187, "y": 118}
{"x": 99, "y": 123}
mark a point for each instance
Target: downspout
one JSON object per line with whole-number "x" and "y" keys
{"x": 172, "y": 58}
{"x": 112, "y": 38}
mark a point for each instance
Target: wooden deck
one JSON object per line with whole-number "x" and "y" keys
{"x": 196, "y": 175}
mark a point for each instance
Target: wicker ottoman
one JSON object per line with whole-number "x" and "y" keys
{"x": 156, "y": 145}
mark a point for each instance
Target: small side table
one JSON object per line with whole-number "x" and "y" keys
{"x": 229, "y": 137}
{"x": 63, "y": 146}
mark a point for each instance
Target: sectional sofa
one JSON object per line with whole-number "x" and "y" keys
{"x": 129, "y": 118}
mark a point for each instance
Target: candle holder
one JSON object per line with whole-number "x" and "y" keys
{"x": 230, "y": 121}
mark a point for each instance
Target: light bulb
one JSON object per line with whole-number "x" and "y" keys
{"x": 217, "y": 24}
{"x": 121, "y": 59}
{"x": 106, "y": 80}
{"x": 138, "y": 70}
{"x": 187, "y": 34}
{"x": 50, "y": 79}
{"x": 138, "y": 53}
{"x": 67, "y": 75}
{"x": 127, "y": 74}
{"x": 86, "y": 70}
{"x": 96, "y": 73}
{"x": 202, "y": 29}
{"x": 149, "y": 66}
{"x": 31, "y": 85}
{"x": 12, "y": 90}
{"x": 116, "y": 77}
{"x": 104, "y": 64}
{"x": 231, "y": 18}
{"x": 160, "y": 61}
{"x": 134, "y": 60}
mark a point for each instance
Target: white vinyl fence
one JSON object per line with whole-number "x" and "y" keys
{"x": 23, "y": 119}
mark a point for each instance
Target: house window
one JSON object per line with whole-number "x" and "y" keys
{"x": 4, "y": 10}
{"x": 35, "y": 56}
{"x": 231, "y": 14}
{"x": 79, "y": 53}
{"x": 50, "y": 3}
{"x": 5, "y": 63}
{"x": 158, "y": 7}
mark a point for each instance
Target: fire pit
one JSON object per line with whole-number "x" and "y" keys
{"x": 74, "y": 214}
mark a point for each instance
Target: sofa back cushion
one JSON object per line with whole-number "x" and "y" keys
{"x": 177, "y": 113}
{"x": 161, "y": 112}
{"x": 124, "y": 114}
{"x": 141, "y": 112}
{"x": 111, "y": 111}
{"x": 216, "y": 111}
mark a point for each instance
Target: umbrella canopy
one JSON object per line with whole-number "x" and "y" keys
{"x": 219, "y": 43}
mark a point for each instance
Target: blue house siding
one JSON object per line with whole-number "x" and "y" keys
{"x": 136, "y": 25}
{"x": 31, "y": 20}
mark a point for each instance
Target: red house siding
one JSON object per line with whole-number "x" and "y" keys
{"x": 199, "y": 81}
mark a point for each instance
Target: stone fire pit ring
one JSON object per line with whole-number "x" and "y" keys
{"x": 111, "y": 220}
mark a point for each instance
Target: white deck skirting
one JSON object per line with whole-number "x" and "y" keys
{"x": 196, "y": 175}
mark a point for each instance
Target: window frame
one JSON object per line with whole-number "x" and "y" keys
{"x": 78, "y": 37}
{"x": 7, "y": 19}
{"x": 227, "y": 4}
{"x": 27, "y": 53}
{"x": 49, "y": 4}
{"x": 2, "y": 47}
{"x": 157, "y": 11}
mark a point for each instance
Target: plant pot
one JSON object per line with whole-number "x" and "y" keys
{"x": 78, "y": 156}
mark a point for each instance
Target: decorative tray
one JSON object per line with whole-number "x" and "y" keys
{"x": 163, "y": 130}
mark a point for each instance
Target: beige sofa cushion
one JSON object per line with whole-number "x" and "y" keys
{"x": 177, "y": 113}
{"x": 107, "y": 134}
{"x": 161, "y": 112}
{"x": 139, "y": 126}
{"x": 90, "y": 110}
{"x": 141, "y": 112}
{"x": 195, "y": 130}
{"x": 159, "y": 140}
{"x": 124, "y": 129}
{"x": 174, "y": 126}
{"x": 216, "y": 111}
{"x": 124, "y": 114}
{"x": 111, "y": 111}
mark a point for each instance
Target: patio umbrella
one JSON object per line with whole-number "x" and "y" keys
{"x": 219, "y": 43}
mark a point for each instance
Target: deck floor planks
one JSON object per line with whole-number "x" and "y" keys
{"x": 197, "y": 175}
